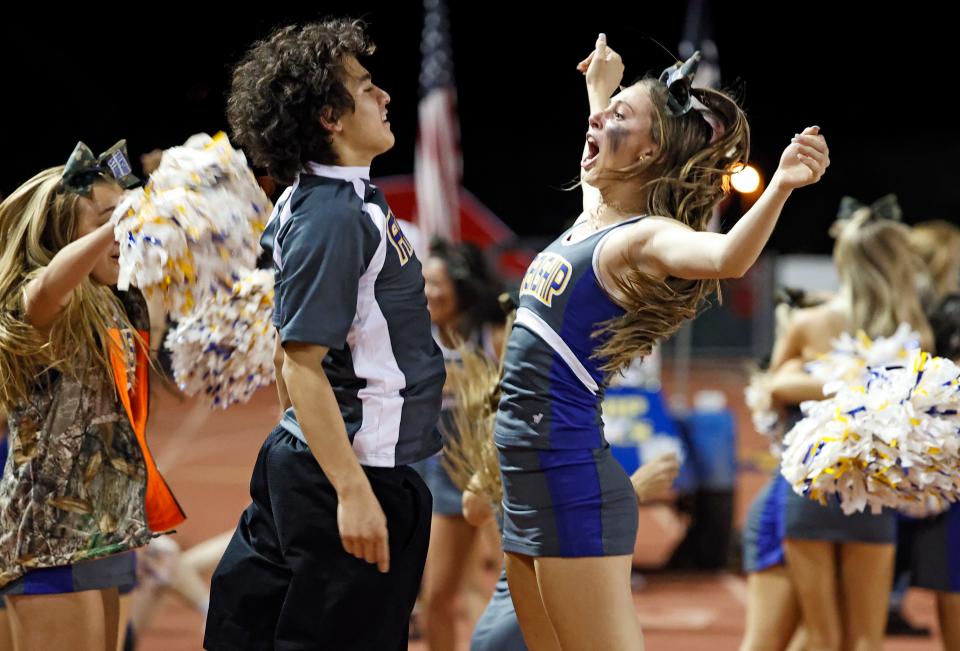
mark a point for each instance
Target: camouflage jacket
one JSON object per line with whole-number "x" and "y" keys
{"x": 76, "y": 483}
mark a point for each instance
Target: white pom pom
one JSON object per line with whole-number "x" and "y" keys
{"x": 224, "y": 350}
{"x": 888, "y": 437}
{"x": 851, "y": 355}
{"x": 196, "y": 222}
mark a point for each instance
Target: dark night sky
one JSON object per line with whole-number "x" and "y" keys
{"x": 880, "y": 85}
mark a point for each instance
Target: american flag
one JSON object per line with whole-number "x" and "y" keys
{"x": 438, "y": 163}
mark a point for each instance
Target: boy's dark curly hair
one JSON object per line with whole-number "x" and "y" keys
{"x": 282, "y": 87}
